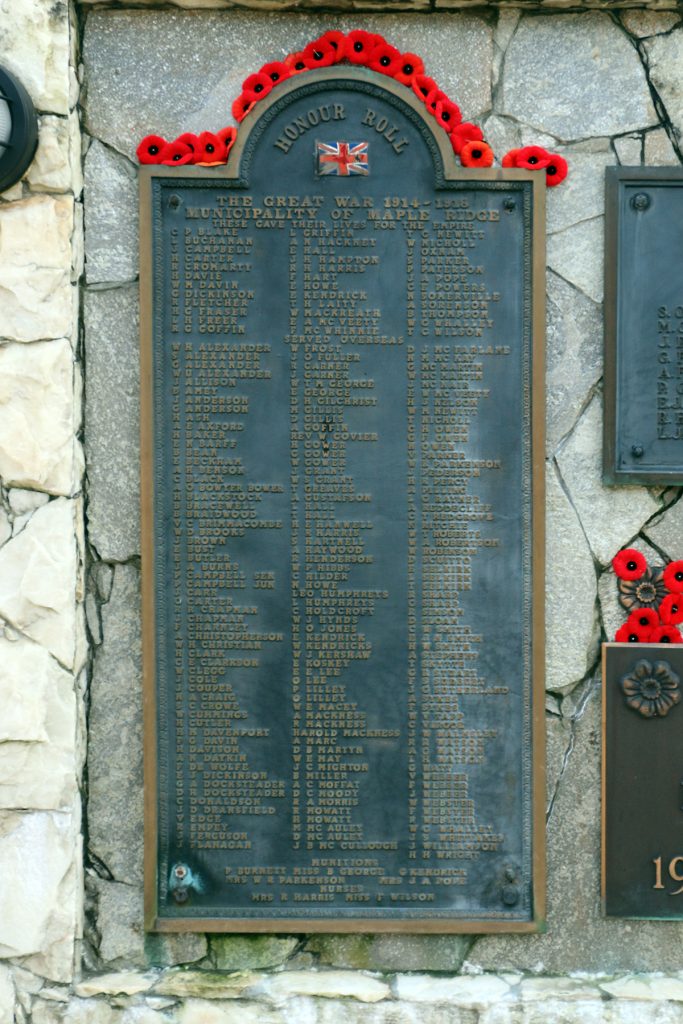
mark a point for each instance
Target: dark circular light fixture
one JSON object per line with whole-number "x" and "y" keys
{"x": 18, "y": 129}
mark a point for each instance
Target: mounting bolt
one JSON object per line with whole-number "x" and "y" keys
{"x": 174, "y": 201}
{"x": 509, "y": 205}
{"x": 637, "y": 451}
{"x": 640, "y": 201}
{"x": 510, "y": 895}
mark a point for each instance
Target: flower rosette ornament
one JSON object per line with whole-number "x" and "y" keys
{"x": 651, "y": 689}
{"x": 653, "y": 597}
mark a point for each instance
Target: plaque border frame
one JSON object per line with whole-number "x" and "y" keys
{"x": 450, "y": 172}
{"x": 615, "y": 177}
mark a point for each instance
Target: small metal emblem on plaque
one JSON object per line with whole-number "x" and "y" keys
{"x": 644, "y": 326}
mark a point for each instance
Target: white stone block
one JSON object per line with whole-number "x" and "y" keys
{"x": 38, "y": 908}
{"x": 35, "y": 261}
{"x": 6, "y": 996}
{"x": 38, "y": 448}
{"x": 38, "y": 580}
{"x": 34, "y": 45}
{"x": 325, "y": 984}
{"x": 37, "y": 729}
{"x": 475, "y": 992}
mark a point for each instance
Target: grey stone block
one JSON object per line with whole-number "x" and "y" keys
{"x": 115, "y": 796}
{"x": 111, "y": 216}
{"x": 187, "y": 68}
{"x": 392, "y": 952}
{"x": 112, "y": 421}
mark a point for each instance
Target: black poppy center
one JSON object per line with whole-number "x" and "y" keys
{"x": 633, "y": 638}
{"x": 631, "y": 565}
{"x": 532, "y": 160}
{"x": 275, "y": 75}
{"x": 646, "y": 592}
{"x": 643, "y": 621}
{"x": 317, "y": 55}
{"x": 476, "y": 153}
{"x": 385, "y": 61}
{"x": 177, "y": 156}
{"x": 210, "y": 147}
{"x": 299, "y": 65}
{"x": 445, "y": 115}
{"x": 665, "y": 640}
{"x": 678, "y": 576}
{"x": 258, "y": 88}
{"x": 552, "y": 169}
{"x": 407, "y": 69}
{"x": 358, "y": 47}
{"x": 153, "y": 150}
{"x": 674, "y": 609}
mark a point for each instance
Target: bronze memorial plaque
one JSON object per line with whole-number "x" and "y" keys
{"x": 642, "y": 781}
{"x": 343, "y": 407}
{"x": 644, "y": 326}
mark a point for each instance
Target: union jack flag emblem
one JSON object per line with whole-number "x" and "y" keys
{"x": 342, "y": 158}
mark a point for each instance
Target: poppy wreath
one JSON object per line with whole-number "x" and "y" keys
{"x": 653, "y": 597}
{"x": 362, "y": 49}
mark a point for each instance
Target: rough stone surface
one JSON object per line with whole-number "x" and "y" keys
{"x": 666, "y": 531}
{"x": 325, "y": 984}
{"x": 112, "y": 417}
{"x": 35, "y": 255}
{"x": 56, "y": 167}
{"x": 469, "y": 993}
{"x": 578, "y": 937}
{"x": 576, "y": 254}
{"x": 648, "y": 23}
{"x": 629, "y": 150}
{"x": 168, "y": 950}
{"x": 126, "y": 983}
{"x": 6, "y": 996}
{"x": 38, "y": 909}
{"x": 571, "y": 614}
{"x": 664, "y": 55}
{"x": 575, "y": 76}
{"x": 120, "y": 918}
{"x": 115, "y": 811}
{"x": 581, "y": 196}
{"x": 206, "y": 984}
{"x": 610, "y": 517}
{"x": 5, "y": 526}
{"x": 658, "y": 150}
{"x": 34, "y": 45}
{"x": 392, "y": 952}
{"x": 573, "y": 356}
{"x": 37, "y": 729}
{"x": 111, "y": 216}
{"x": 38, "y": 571}
{"x": 251, "y": 952}
{"x": 38, "y": 447}
{"x": 213, "y": 55}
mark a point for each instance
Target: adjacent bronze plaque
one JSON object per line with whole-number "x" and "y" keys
{"x": 343, "y": 558}
{"x": 642, "y": 782}
{"x": 644, "y": 326}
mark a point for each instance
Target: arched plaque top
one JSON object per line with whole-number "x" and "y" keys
{"x": 358, "y": 80}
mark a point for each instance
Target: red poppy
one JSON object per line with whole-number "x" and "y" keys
{"x": 629, "y": 564}
{"x": 448, "y": 114}
{"x": 673, "y": 577}
{"x": 228, "y": 136}
{"x": 296, "y": 63}
{"x": 149, "y": 150}
{"x": 510, "y": 158}
{"x": 332, "y": 40}
{"x": 256, "y": 86}
{"x": 476, "y": 154}
{"x": 211, "y": 150}
{"x": 320, "y": 53}
{"x": 643, "y": 618}
{"x": 632, "y": 634}
{"x": 386, "y": 59}
{"x": 411, "y": 65}
{"x": 465, "y": 133}
{"x": 360, "y": 47}
{"x": 242, "y": 106}
{"x": 189, "y": 139}
{"x": 671, "y": 610}
{"x": 556, "y": 171}
{"x": 665, "y": 635}
{"x": 276, "y": 71}
{"x": 437, "y": 96}
{"x": 424, "y": 87}
{"x": 532, "y": 158}
{"x": 176, "y": 153}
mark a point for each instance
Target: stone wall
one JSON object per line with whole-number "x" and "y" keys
{"x": 602, "y": 88}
